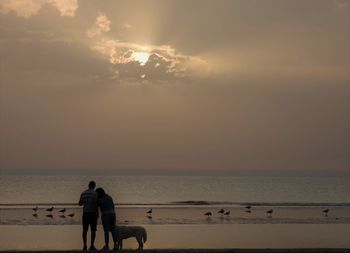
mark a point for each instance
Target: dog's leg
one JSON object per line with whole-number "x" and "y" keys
{"x": 139, "y": 240}
{"x": 120, "y": 244}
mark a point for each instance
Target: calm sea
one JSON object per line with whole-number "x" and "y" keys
{"x": 24, "y": 189}
{"x": 179, "y": 199}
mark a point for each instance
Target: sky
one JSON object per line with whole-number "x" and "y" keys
{"x": 175, "y": 86}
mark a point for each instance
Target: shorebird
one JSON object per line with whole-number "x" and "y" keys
{"x": 62, "y": 216}
{"x": 149, "y": 211}
{"x": 269, "y": 212}
{"x": 326, "y": 211}
{"x": 50, "y": 209}
{"x": 221, "y": 211}
{"x": 71, "y": 215}
{"x": 149, "y": 217}
{"x": 35, "y": 209}
{"x": 208, "y": 214}
{"x": 248, "y": 207}
{"x": 35, "y": 215}
{"x": 227, "y": 213}
{"x": 62, "y": 210}
{"x": 49, "y": 216}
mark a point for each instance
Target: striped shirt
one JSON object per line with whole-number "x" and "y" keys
{"x": 88, "y": 199}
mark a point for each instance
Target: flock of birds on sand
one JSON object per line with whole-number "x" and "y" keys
{"x": 227, "y": 213}
{"x": 248, "y": 209}
{"x": 62, "y": 212}
{"x": 149, "y": 213}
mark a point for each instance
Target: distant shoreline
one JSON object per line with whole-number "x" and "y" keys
{"x": 190, "y": 203}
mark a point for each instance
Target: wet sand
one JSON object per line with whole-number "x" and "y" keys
{"x": 166, "y": 215}
{"x": 203, "y": 237}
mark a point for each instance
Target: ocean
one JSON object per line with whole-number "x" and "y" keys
{"x": 179, "y": 205}
{"x": 34, "y": 190}
{"x": 179, "y": 199}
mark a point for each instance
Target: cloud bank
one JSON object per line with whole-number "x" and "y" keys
{"x": 28, "y": 8}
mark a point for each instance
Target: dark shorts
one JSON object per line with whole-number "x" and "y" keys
{"x": 89, "y": 219}
{"x": 108, "y": 222}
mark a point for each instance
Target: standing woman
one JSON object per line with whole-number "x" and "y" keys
{"x": 106, "y": 205}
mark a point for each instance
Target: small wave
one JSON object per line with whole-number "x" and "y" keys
{"x": 228, "y": 203}
{"x": 182, "y": 203}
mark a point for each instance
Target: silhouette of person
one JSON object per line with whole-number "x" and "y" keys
{"x": 108, "y": 217}
{"x": 88, "y": 199}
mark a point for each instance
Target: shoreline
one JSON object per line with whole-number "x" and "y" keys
{"x": 190, "y": 203}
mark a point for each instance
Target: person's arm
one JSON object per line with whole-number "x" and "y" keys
{"x": 81, "y": 202}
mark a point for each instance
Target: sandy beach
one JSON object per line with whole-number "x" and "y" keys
{"x": 184, "y": 228}
{"x": 238, "y": 236}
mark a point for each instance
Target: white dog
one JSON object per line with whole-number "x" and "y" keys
{"x": 124, "y": 232}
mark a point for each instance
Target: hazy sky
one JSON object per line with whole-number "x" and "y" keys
{"x": 181, "y": 85}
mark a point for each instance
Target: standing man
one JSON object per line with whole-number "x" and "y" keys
{"x": 88, "y": 199}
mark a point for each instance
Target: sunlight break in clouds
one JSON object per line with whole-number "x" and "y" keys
{"x": 28, "y": 8}
{"x": 152, "y": 61}
{"x": 157, "y": 61}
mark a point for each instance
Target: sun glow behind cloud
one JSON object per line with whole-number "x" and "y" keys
{"x": 154, "y": 61}
{"x": 141, "y": 57}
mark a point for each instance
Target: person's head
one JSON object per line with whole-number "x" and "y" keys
{"x": 100, "y": 192}
{"x": 92, "y": 185}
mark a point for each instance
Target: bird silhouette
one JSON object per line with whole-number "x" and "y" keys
{"x": 50, "y": 209}
{"x": 269, "y": 212}
{"x": 149, "y": 211}
{"x": 49, "y": 216}
{"x": 248, "y": 207}
{"x": 221, "y": 211}
{"x": 35, "y": 209}
{"x": 227, "y": 213}
{"x": 35, "y": 215}
{"x": 208, "y": 214}
{"x": 71, "y": 215}
{"x": 326, "y": 211}
{"x": 62, "y": 216}
{"x": 149, "y": 217}
{"x": 62, "y": 210}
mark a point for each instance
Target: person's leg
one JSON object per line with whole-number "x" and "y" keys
{"x": 93, "y": 236}
{"x": 85, "y": 230}
{"x": 106, "y": 229}
{"x": 106, "y": 238}
{"x": 114, "y": 230}
{"x": 85, "y": 239}
{"x": 93, "y": 225}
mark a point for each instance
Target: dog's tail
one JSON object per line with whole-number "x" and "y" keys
{"x": 144, "y": 235}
